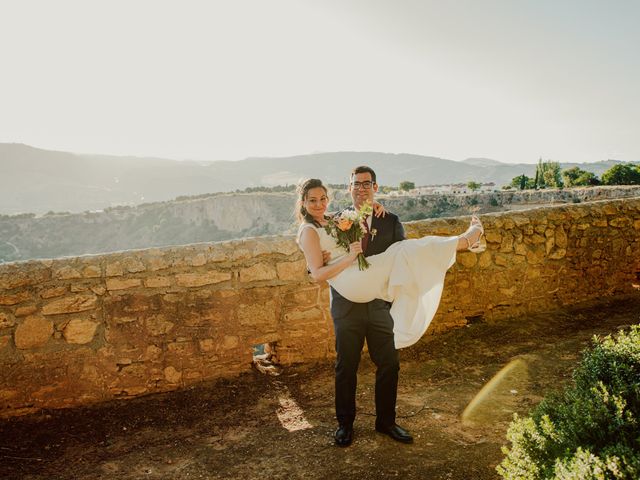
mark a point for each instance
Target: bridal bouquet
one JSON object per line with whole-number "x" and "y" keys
{"x": 348, "y": 227}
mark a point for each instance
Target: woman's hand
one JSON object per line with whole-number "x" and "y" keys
{"x": 378, "y": 209}
{"x": 355, "y": 248}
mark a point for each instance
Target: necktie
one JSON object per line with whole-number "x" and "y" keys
{"x": 367, "y": 236}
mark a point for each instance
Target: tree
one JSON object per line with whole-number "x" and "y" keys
{"x": 622, "y": 174}
{"x": 407, "y": 185}
{"x": 575, "y": 177}
{"x": 548, "y": 175}
{"x": 473, "y": 186}
{"x": 522, "y": 182}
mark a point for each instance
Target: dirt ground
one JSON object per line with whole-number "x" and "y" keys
{"x": 261, "y": 427}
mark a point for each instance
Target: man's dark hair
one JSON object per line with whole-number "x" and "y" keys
{"x": 364, "y": 169}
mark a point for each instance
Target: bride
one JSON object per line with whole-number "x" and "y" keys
{"x": 410, "y": 273}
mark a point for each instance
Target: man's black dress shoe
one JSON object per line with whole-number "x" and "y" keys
{"x": 344, "y": 435}
{"x": 396, "y": 432}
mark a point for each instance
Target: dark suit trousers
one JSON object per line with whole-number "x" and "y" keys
{"x": 371, "y": 321}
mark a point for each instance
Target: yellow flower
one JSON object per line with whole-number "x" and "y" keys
{"x": 344, "y": 224}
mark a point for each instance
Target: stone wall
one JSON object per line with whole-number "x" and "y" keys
{"x": 93, "y": 328}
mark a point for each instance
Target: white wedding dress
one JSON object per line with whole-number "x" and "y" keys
{"x": 410, "y": 273}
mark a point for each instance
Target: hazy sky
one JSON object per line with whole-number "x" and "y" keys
{"x": 223, "y": 80}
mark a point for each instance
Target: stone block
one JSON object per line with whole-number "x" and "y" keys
{"x": 198, "y": 260}
{"x": 518, "y": 259}
{"x": 157, "y": 282}
{"x": 157, "y": 263}
{"x": 306, "y": 297}
{"x": 509, "y": 224}
{"x": 5, "y": 341}
{"x": 549, "y": 244}
{"x": 237, "y": 254}
{"x": 521, "y": 249}
{"x": 467, "y": 259}
{"x": 535, "y": 239}
{"x": 508, "y": 292}
{"x": 172, "y": 375}
{"x": 484, "y": 259}
{"x": 122, "y": 283}
{"x": 80, "y": 331}
{"x": 98, "y": 289}
{"x": 32, "y": 332}
{"x": 520, "y": 220}
{"x": 292, "y": 270}
{"x": 262, "y": 314}
{"x": 502, "y": 260}
{"x": 558, "y": 253}
{"x": 20, "y": 276}
{"x": 217, "y": 255}
{"x": 66, "y": 273}
{"x": 77, "y": 303}
{"x": 230, "y": 342}
{"x": 493, "y": 237}
{"x": 561, "y": 237}
{"x": 158, "y": 325}
{"x": 600, "y": 222}
{"x": 53, "y": 292}
{"x": 536, "y": 255}
{"x": 92, "y": 271}
{"x": 183, "y": 348}
{"x": 14, "y": 299}
{"x": 153, "y": 353}
{"x": 620, "y": 222}
{"x": 26, "y": 310}
{"x": 207, "y": 344}
{"x": 133, "y": 265}
{"x": 77, "y": 288}
{"x": 257, "y": 272}
{"x": 6, "y": 320}
{"x": 201, "y": 279}
{"x": 507, "y": 244}
{"x": 284, "y": 246}
{"x": 114, "y": 269}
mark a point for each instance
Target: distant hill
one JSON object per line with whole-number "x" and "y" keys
{"x": 40, "y": 181}
{"x": 235, "y": 215}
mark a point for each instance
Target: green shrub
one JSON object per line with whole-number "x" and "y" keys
{"x": 590, "y": 430}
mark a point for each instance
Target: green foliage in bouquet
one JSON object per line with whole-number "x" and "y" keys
{"x": 590, "y": 430}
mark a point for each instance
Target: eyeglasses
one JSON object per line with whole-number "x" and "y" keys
{"x": 365, "y": 185}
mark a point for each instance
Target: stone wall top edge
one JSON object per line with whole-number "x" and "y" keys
{"x": 94, "y": 258}
{"x": 532, "y": 211}
{"x": 454, "y": 222}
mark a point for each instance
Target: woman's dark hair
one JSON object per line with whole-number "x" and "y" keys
{"x": 303, "y": 190}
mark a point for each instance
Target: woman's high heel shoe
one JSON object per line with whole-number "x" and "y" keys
{"x": 475, "y": 247}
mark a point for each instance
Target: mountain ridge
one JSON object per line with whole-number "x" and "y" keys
{"x": 35, "y": 180}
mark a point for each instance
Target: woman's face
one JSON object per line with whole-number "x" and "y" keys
{"x": 316, "y": 202}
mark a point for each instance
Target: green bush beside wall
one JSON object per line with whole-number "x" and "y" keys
{"x": 591, "y": 430}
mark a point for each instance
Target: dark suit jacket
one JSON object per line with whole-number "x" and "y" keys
{"x": 388, "y": 231}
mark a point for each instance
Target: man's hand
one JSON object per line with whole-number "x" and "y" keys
{"x": 326, "y": 256}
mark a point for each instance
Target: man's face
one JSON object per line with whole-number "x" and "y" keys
{"x": 362, "y": 189}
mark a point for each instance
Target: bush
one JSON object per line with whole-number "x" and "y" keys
{"x": 591, "y": 429}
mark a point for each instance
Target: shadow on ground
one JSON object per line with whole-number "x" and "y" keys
{"x": 259, "y": 427}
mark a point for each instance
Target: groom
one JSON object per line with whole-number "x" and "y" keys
{"x": 353, "y": 322}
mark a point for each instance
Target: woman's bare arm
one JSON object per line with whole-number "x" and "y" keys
{"x": 310, "y": 243}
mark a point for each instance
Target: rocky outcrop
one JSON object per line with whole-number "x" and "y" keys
{"x": 223, "y": 217}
